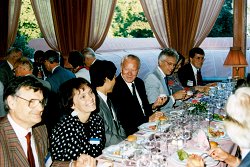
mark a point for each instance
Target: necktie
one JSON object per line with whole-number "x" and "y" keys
{"x": 112, "y": 112}
{"x": 166, "y": 81}
{"x": 109, "y": 104}
{"x": 29, "y": 151}
{"x": 199, "y": 77}
{"x": 136, "y": 99}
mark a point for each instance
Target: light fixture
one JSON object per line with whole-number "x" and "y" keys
{"x": 235, "y": 58}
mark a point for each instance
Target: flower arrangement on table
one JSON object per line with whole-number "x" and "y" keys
{"x": 200, "y": 106}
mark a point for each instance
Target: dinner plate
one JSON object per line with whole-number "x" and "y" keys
{"x": 147, "y": 126}
{"x": 209, "y": 161}
{"x": 214, "y": 130}
{"x": 112, "y": 151}
{"x": 176, "y": 112}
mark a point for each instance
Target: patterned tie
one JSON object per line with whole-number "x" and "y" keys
{"x": 29, "y": 151}
{"x": 166, "y": 81}
{"x": 199, "y": 77}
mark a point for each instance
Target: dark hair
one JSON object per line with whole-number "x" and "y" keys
{"x": 100, "y": 70}
{"x": 181, "y": 58}
{"x": 52, "y": 56}
{"x": 17, "y": 83}
{"x": 76, "y": 59}
{"x": 196, "y": 50}
{"x": 38, "y": 55}
{"x": 66, "y": 92}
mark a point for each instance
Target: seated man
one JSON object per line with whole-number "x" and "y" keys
{"x": 130, "y": 99}
{"x": 24, "y": 142}
{"x": 102, "y": 75}
{"x": 190, "y": 74}
{"x": 157, "y": 82}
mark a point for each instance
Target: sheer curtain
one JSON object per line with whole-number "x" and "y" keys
{"x": 186, "y": 23}
{"x": 75, "y": 24}
{"x": 9, "y": 15}
{"x": 42, "y": 10}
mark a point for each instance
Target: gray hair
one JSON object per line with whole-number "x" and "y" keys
{"x": 168, "y": 52}
{"x": 133, "y": 57}
{"x": 237, "y": 122}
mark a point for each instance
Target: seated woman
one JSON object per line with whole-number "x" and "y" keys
{"x": 81, "y": 130}
{"x": 173, "y": 80}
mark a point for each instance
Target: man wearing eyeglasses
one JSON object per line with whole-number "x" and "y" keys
{"x": 157, "y": 84}
{"x": 23, "y": 141}
{"x": 190, "y": 74}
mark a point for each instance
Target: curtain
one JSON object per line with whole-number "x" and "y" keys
{"x": 42, "y": 10}
{"x": 9, "y": 15}
{"x": 74, "y": 24}
{"x": 210, "y": 12}
{"x": 186, "y": 23}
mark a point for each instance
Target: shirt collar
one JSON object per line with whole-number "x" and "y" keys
{"x": 20, "y": 131}
{"x": 54, "y": 68}
{"x": 194, "y": 69}
{"x": 11, "y": 66}
{"x": 162, "y": 73}
{"x": 103, "y": 96}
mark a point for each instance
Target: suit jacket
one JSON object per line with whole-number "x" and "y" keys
{"x": 113, "y": 131}
{"x": 186, "y": 74}
{"x": 2, "y": 110}
{"x": 246, "y": 161}
{"x": 11, "y": 151}
{"x": 59, "y": 76}
{"x": 46, "y": 84}
{"x": 155, "y": 85}
{"x": 6, "y": 73}
{"x": 129, "y": 112}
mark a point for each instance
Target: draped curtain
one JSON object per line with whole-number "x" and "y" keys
{"x": 9, "y": 12}
{"x": 181, "y": 24}
{"x": 75, "y": 24}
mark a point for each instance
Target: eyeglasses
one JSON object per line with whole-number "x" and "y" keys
{"x": 34, "y": 102}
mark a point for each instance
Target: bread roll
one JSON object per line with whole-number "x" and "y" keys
{"x": 131, "y": 138}
{"x": 163, "y": 118}
{"x": 213, "y": 144}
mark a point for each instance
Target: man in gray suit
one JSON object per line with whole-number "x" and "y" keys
{"x": 102, "y": 75}
{"x": 156, "y": 83}
{"x": 2, "y": 111}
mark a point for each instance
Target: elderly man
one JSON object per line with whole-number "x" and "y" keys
{"x": 6, "y": 73}
{"x": 157, "y": 82}
{"x": 23, "y": 142}
{"x": 23, "y": 67}
{"x": 129, "y": 97}
{"x": 102, "y": 75}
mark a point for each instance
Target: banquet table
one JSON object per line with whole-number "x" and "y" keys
{"x": 111, "y": 160}
{"x": 172, "y": 134}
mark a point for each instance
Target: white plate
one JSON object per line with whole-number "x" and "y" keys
{"x": 209, "y": 161}
{"x": 146, "y": 126}
{"x": 176, "y": 112}
{"x": 110, "y": 151}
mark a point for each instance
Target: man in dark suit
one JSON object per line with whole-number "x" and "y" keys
{"x": 6, "y": 73}
{"x": 130, "y": 99}
{"x": 24, "y": 102}
{"x": 190, "y": 74}
{"x": 58, "y": 76}
{"x": 102, "y": 75}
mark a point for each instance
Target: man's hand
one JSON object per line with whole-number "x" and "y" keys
{"x": 180, "y": 95}
{"x": 160, "y": 101}
{"x": 155, "y": 116}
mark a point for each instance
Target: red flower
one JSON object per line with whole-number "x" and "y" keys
{"x": 195, "y": 101}
{"x": 170, "y": 82}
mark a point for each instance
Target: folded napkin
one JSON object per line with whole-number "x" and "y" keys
{"x": 201, "y": 141}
